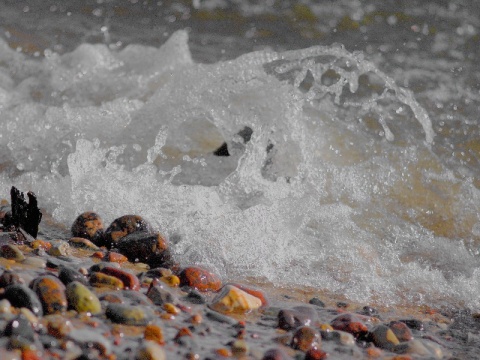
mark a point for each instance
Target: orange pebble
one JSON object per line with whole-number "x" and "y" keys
{"x": 196, "y": 319}
{"x": 98, "y": 255}
{"x": 223, "y": 352}
{"x": 155, "y": 333}
{"x": 45, "y": 245}
{"x": 115, "y": 257}
{"x": 374, "y": 352}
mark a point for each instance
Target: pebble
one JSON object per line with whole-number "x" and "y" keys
{"x": 349, "y": 323}
{"x": 51, "y": 293}
{"x": 200, "y": 279}
{"x": 67, "y": 274}
{"x": 20, "y": 296}
{"x": 159, "y": 295}
{"x": 149, "y": 350}
{"x": 259, "y": 294}
{"x": 231, "y": 299}
{"x": 88, "y": 225}
{"x": 57, "y": 325}
{"x": 20, "y": 326}
{"x": 123, "y": 226}
{"x": 128, "y": 315}
{"x": 129, "y": 280}
{"x": 414, "y": 347}
{"x": 5, "y": 307}
{"x": 154, "y": 333}
{"x": 340, "y": 337}
{"x": 289, "y": 319}
{"x": 401, "y": 330}
{"x": 98, "y": 279}
{"x": 306, "y": 338}
{"x": 115, "y": 257}
{"x": 316, "y": 354}
{"x": 317, "y": 302}
{"x": 10, "y": 251}
{"x": 81, "y": 299}
{"x": 59, "y": 248}
{"x": 383, "y": 337}
{"x": 239, "y": 347}
{"x": 82, "y": 243}
{"x": 9, "y": 278}
{"x": 35, "y": 261}
{"x": 140, "y": 245}
{"x": 276, "y": 354}
{"x": 171, "y": 280}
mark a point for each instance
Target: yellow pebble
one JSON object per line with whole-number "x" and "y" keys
{"x": 171, "y": 280}
{"x": 326, "y": 327}
{"x": 171, "y": 309}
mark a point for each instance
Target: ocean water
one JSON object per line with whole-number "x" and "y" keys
{"x": 352, "y": 132}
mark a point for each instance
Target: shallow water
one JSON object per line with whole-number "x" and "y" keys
{"x": 352, "y": 131}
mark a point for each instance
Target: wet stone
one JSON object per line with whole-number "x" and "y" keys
{"x": 234, "y": 300}
{"x": 59, "y": 248}
{"x": 276, "y": 354}
{"x": 9, "y": 278}
{"x": 159, "y": 295}
{"x": 81, "y": 299}
{"x": 99, "y": 266}
{"x": 401, "y": 330}
{"x": 88, "y": 225}
{"x": 115, "y": 257}
{"x": 20, "y": 296}
{"x": 57, "y": 325}
{"x": 5, "y": 307}
{"x": 20, "y": 326}
{"x": 51, "y": 292}
{"x": 195, "y": 297}
{"x": 128, "y": 315}
{"x": 259, "y": 294}
{"x": 349, "y": 323}
{"x": 103, "y": 280}
{"x": 129, "y": 280}
{"x": 316, "y": 354}
{"x": 317, "y": 302}
{"x": 139, "y": 246}
{"x": 154, "y": 333}
{"x": 383, "y": 337}
{"x": 200, "y": 279}
{"x": 306, "y": 338}
{"x": 82, "y": 243}
{"x": 149, "y": 350}
{"x": 123, "y": 226}
{"x": 10, "y": 251}
{"x": 289, "y": 319}
{"x": 67, "y": 274}
{"x": 340, "y": 337}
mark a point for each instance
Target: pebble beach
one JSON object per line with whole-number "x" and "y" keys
{"x": 239, "y": 179}
{"x": 86, "y": 296}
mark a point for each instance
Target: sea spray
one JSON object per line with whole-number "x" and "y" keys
{"x": 337, "y": 186}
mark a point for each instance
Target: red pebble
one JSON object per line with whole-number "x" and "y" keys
{"x": 315, "y": 354}
{"x": 199, "y": 278}
{"x": 350, "y": 324}
{"x": 253, "y": 291}
{"x": 129, "y": 280}
{"x": 29, "y": 354}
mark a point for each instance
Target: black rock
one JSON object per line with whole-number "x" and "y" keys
{"x": 24, "y": 215}
{"x": 159, "y": 295}
{"x": 67, "y": 274}
{"x": 317, "y": 302}
{"x": 289, "y": 319}
{"x": 20, "y": 296}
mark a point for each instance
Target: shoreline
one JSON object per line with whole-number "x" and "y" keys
{"x": 174, "y": 325}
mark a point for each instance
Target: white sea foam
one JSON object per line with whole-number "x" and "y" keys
{"x": 331, "y": 190}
